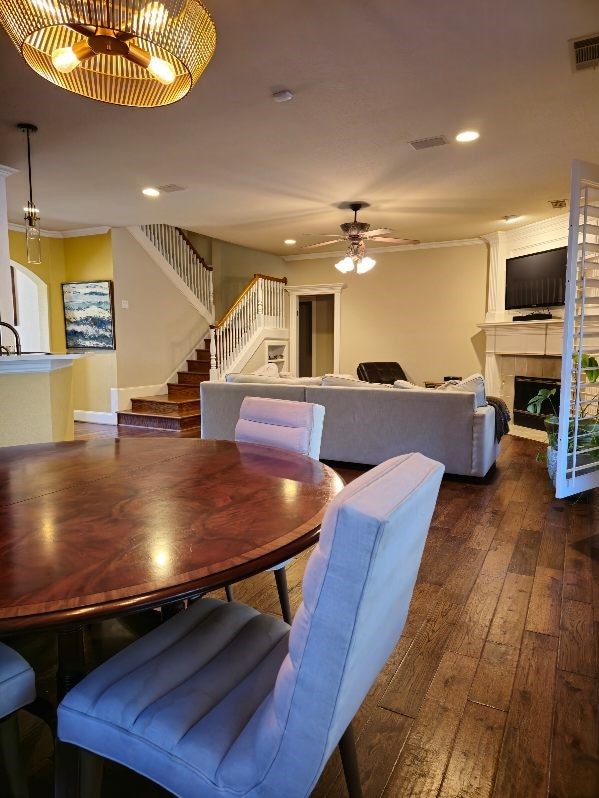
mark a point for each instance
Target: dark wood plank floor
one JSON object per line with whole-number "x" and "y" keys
{"x": 493, "y": 688}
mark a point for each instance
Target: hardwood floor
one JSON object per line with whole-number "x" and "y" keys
{"x": 493, "y": 688}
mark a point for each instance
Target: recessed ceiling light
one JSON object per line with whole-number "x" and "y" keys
{"x": 290, "y": 242}
{"x": 467, "y": 135}
{"x": 511, "y": 218}
{"x": 150, "y": 192}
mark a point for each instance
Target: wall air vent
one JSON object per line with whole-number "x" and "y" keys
{"x": 170, "y": 187}
{"x": 584, "y": 53}
{"x": 424, "y": 144}
{"x": 559, "y": 203}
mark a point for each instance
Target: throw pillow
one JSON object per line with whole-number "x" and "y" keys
{"x": 475, "y": 384}
{"x": 404, "y": 384}
{"x": 268, "y": 370}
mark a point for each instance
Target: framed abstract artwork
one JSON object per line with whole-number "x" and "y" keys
{"x": 89, "y": 314}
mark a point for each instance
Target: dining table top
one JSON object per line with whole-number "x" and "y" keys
{"x": 94, "y": 529}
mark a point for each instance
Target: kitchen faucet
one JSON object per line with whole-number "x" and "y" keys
{"x": 16, "y": 335}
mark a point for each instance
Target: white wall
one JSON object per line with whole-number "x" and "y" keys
{"x": 419, "y": 307}
{"x": 159, "y": 328}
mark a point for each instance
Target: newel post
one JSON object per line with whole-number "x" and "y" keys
{"x": 260, "y": 290}
{"x": 213, "y": 369}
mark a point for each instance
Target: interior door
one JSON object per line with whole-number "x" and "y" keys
{"x": 578, "y": 437}
{"x": 305, "y": 338}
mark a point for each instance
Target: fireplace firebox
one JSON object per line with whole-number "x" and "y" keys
{"x": 524, "y": 389}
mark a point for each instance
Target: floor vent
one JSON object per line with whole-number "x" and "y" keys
{"x": 585, "y": 52}
{"x": 424, "y": 144}
{"x": 170, "y": 187}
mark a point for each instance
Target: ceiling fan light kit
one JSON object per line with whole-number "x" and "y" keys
{"x": 356, "y": 234}
{"x": 141, "y": 53}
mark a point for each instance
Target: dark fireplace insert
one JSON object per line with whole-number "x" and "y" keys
{"x": 524, "y": 389}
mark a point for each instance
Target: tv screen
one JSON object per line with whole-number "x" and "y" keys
{"x": 537, "y": 280}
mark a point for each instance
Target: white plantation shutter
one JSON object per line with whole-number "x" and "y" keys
{"x": 578, "y": 443}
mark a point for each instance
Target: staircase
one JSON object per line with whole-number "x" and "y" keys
{"x": 177, "y": 410}
{"x": 233, "y": 340}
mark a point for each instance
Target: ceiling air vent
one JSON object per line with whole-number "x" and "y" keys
{"x": 584, "y": 53}
{"x": 170, "y": 187}
{"x": 559, "y": 203}
{"x": 424, "y": 144}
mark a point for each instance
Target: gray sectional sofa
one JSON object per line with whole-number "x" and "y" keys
{"x": 371, "y": 424}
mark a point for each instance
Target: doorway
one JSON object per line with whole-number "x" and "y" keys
{"x": 300, "y": 292}
{"x": 316, "y": 319}
{"x": 30, "y": 299}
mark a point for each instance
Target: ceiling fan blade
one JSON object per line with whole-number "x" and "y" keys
{"x": 395, "y": 240}
{"x": 322, "y": 243}
{"x": 380, "y": 231}
{"x": 319, "y": 235}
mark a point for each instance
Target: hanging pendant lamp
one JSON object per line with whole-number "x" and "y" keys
{"x": 32, "y": 214}
{"x": 142, "y": 53}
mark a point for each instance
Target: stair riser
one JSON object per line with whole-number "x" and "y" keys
{"x": 164, "y": 408}
{"x": 159, "y": 422}
{"x": 198, "y": 367}
{"x": 191, "y": 377}
{"x": 178, "y": 391}
{"x": 203, "y": 355}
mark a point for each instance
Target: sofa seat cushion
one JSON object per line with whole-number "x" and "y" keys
{"x": 175, "y": 718}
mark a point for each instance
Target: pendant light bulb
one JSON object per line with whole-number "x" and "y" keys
{"x": 161, "y": 70}
{"x": 154, "y": 15}
{"x": 64, "y": 60}
{"x": 365, "y": 264}
{"x": 346, "y": 265}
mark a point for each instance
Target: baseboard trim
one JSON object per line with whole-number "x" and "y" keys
{"x": 94, "y": 417}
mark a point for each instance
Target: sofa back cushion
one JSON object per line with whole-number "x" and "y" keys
{"x": 371, "y": 425}
{"x": 220, "y": 403}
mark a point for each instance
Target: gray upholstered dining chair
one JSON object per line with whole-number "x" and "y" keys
{"x": 17, "y": 689}
{"x": 294, "y": 426}
{"x": 222, "y": 700}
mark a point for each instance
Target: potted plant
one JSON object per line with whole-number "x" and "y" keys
{"x": 586, "y": 432}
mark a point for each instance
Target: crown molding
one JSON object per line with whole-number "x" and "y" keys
{"x": 81, "y": 233}
{"x": 7, "y": 171}
{"x": 462, "y": 242}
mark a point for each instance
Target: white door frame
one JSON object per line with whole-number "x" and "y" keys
{"x": 295, "y": 291}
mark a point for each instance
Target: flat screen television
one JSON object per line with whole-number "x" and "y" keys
{"x": 537, "y": 280}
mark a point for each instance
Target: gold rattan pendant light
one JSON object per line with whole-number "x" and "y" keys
{"x": 140, "y": 53}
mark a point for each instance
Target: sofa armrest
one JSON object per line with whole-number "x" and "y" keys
{"x": 484, "y": 446}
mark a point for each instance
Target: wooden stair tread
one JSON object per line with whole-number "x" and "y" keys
{"x": 166, "y": 399}
{"x": 178, "y": 409}
{"x": 181, "y": 414}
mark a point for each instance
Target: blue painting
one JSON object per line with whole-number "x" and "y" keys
{"x": 88, "y": 315}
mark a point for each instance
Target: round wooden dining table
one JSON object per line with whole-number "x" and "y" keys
{"x": 96, "y": 529}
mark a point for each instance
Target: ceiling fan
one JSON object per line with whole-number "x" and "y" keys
{"x": 356, "y": 234}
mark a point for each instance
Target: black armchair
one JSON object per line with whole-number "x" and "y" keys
{"x": 380, "y": 371}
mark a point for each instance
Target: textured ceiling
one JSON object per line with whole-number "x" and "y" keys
{"x": 368, "y": 77}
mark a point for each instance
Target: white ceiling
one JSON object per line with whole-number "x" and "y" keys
{"x": 368, "y": 77}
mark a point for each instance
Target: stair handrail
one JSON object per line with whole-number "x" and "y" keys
{"x": 178, "y": 251}
{"x": 259, "y": 305}
{"x": 193, "y": 249}
{"x": 243, "y": 294}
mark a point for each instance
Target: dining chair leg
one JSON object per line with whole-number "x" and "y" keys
{"x": 281, "y": 580}
{"x": 349, "y": 759}
{"x": 10, "y": 751}
{"x": 66, "y": 770}
{"x": 229, "y": 592}
{"x": 90, "y": 774}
